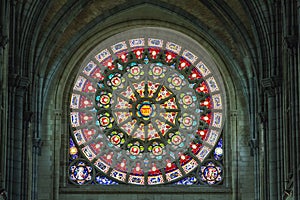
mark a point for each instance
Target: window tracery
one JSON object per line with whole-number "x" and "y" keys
{"x": 145, "y": 112}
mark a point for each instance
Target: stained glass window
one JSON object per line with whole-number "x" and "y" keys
{"x": 146, "y": 112}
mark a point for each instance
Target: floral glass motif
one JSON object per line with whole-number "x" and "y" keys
{"x": 146, "y": 116}
{"x": 80, "y": 172}
{"x": 211, "y": 173}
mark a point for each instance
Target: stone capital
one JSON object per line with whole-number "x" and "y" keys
{"x": 271, "y": 84}
{"x": 3, "y": 39}
{"x": 291, "y": 41}
{"x": 253, "y": 145}
{"x": 37, "y": 143}
{"x": 233, "y": 113}
{"x": 57, "y": 112}
{"x": 28, "y": 115}
{"x": 262, "y": 116}
{"x": 15, "y": 2}
{"x": 19, "y": 82}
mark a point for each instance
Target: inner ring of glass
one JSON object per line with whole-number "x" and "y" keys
{"x": 150, "y": 122}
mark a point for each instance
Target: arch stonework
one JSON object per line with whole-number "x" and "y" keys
{"x": 253, "y": 44}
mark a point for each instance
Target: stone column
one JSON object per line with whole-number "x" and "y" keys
{"x": 36, "y": 136}
{"x": 263, "y": 176}
{"x": 234, "y": 154}
{"x": 294, "y": 72}
{"x": 270, "y": 86}
{"x": 297, "y": 57}
{"x": 28, "y": 116}
{"x": 21, "y": 84}
{"x": 36, "y": 151}
{"x": 56, "y": 153}
{"x": 3, "y": 93}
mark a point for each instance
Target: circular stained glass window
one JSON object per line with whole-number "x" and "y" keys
{"x": 145, "y": 112}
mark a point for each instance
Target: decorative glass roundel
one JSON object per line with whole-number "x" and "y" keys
{"x": 145, "y": 114}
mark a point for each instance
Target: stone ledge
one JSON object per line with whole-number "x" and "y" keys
{"x": 132, "y": 189}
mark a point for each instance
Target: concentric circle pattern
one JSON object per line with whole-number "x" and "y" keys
{"x": 146, "y": 114}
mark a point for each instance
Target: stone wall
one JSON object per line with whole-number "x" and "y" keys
{"x": 255, "y": 45}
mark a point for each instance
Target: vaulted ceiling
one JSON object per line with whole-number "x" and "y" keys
{"x": 50, "y": 33}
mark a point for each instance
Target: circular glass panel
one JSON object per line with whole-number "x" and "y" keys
{"x": 146, "y": 114}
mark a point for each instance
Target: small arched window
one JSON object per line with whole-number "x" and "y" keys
{"x": 146, "y": 110}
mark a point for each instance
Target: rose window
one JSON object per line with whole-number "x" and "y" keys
{"x": 146, "y": 115}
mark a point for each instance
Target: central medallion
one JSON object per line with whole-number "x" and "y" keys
{"x": 145, "y": 110}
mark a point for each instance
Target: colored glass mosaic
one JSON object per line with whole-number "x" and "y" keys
{"x": 147, "y": 115}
